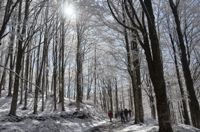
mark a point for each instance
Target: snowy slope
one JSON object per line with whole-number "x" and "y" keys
{"x": 91, "y": 119}
{"x": 49, "y": 120}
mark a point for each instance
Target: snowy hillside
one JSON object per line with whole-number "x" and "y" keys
{"x": 49, "y": 120}
{"x": 90, "y": 119}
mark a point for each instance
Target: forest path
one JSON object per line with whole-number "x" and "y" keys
{"x": 106, "y": 127}
{"x": 118, "y": 126}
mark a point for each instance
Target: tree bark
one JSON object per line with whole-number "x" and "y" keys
{"x": 136, "y": 63}
{"x": 193, "y": 103}
{"x": 12, "y": 38}
{"x": 10, "y": 6}
{"x": 184, "y": 111}
{"x": 132, "y": 72}
{"x": 38, "y": 76}
{"x": 55, "y": 76}
{"x": 116, "y": 97}
{"x": 79, "y": 70}
{"x": 109, "y": 87}
{"x": 155, "y": 66}
{"x": 62, "y": 64}
{"x": 69, "y": 83}
{"x": 21, "y": 82}
{"x": 95, "y": 75}
{"x": 27, "y": 77}
{"x": 19, "y": 56}
{"x": 2, "y": 82}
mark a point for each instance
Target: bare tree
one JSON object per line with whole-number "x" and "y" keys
{"x": 193, "y": 104}
{"x": 82, "y": 27}
{"x": 151, "y": 46}
{"x": 9, "y": 8}
{"x": 19, "y": 55}
{"x": 116, "y": 97}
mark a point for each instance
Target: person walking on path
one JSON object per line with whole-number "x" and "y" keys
{"x": 126, "y": 115}
{"x": 122, "y": 116}
{"x": 110, "y": 115}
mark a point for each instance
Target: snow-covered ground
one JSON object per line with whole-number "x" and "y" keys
{"x": 90, "y": 120}
{"x": 50, "y": 120}
{"x": 117, "y": 126}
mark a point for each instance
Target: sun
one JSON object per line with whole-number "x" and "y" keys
{"x": 69, "y": 11}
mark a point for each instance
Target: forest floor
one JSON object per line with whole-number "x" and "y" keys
{"x": 91, "y": 119}
{"x": 117, "y": 126}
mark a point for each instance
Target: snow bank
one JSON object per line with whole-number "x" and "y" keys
{"x": 49, "y": 120}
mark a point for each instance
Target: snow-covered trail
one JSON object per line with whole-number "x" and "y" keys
{"x": 81, "y": 125}
{"x": 56, "y": 121}
{"x": 106, "y": 127}
{"x": 117, "y": 126}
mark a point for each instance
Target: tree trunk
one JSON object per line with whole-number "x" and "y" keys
{"x": 109, "y": 87}
{"x": 136, "y": 63}
{"x": 193, "y": 103}
{"x": 104, "y": 99}
{"x": 45, "y": 54}
{"x": 43, "y": 62}
{"x": 2, "y": 82}
{"x": 130, "y": 96}
{"x": 9, "y": 8}
{"x": 152, "y": 103}
{"x": 38, "y": 79}
{"x": 16, "y": 82}
{"x": 153, "y": 108}
{"x": 55, "y": 75}
{"x": 69, "y": 83}
{"x": 95, "y": 75}
{"x": 89, "y": 81}
{"x": 132, "y": 71}
{"x": 31, "y": 71}
{"x": 185, "y": 111}
{"x": 47, "y": 77}
{"x": 38, "y": 76}
{"x": 21, "y": 82}
{"x": 55, "y": 64}
{"x": 27, "y": 77}
{"x": 43, "y": 86}
{"x": 79, "y": 70}
{"x": 132, "y": 74}
{"x": 155, "y": 66}
{"x": 122, "y": 99}
{"x": 62, "y": 63}
{"x": 20, "y": 51}
{"x": 12, "y": 38}
{"x": 116, "y": 97}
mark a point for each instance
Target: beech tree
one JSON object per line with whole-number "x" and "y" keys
{"x": 193, "y": 103}
{"x": 151, "y": 46}
{"x": 19, "y": 55}
{"x": 9, "y": 8}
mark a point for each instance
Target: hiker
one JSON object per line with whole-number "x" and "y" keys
{"x": 126, "y": 114}
{"x": 110, "y": 115}
{"x": 122, "y": 116}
